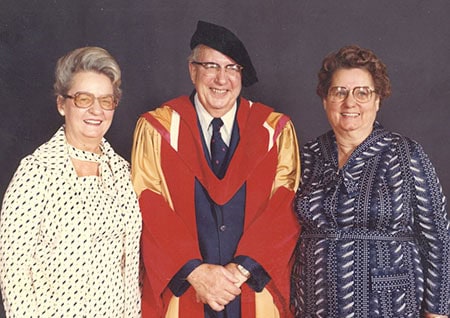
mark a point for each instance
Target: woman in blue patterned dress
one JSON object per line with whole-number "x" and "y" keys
{"x": 375, "y": 236}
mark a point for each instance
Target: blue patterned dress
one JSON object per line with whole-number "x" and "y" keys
{"x": 375, "y": 236}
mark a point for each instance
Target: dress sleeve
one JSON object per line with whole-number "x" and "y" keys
{"x": 23, "y": 204}
{"x": 432, "y": 224}
{"x": 132, "y": 240}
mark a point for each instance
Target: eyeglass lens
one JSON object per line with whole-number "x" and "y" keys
{"x": 85, "y": 100}
{"x": 213, "y": 68}
{"x": 361, "y": 94}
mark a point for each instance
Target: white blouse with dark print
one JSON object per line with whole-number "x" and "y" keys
{"x": 69, "y": 244}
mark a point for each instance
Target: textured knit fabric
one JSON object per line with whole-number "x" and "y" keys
{"x": 376, "y": 237}
{"x": 70, "y": 245}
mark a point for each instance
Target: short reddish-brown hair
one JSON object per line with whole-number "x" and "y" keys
{"x": 353, "y": 56}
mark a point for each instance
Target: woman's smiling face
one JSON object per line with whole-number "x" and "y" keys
{"x": 350, "y": 116}
{"x": 86, "y": 126}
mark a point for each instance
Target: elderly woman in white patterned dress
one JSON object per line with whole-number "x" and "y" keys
{"x": 70, "y": 222}
{"x": 375, "y": 236}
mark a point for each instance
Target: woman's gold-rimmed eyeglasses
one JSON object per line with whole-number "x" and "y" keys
{"x": 86, "y": 100}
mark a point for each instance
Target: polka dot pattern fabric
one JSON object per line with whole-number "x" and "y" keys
{"x": 69, "y": 244}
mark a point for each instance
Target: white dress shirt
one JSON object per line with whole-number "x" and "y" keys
{"x": 205, "y": 119}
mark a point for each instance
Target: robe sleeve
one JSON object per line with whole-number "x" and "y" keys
{"x": 146, "y": 170}
{"x": 288, "y": 167}
{"x": 270, "y": 238}
{"x": 166, "y": 242}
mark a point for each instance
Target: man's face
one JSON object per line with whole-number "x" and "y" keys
{"x": 217, "y": 89}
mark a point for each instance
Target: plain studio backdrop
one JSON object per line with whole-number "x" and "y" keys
{"x": 286, "y": 39}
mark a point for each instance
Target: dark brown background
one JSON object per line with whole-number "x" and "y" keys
{"x": 287, "y": 40}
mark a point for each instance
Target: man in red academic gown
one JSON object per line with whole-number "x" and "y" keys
{"x": 216, "y": 175}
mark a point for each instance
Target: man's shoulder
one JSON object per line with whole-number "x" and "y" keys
{"x": 164, "y": 112}
{"x": 161, "y": 113}
{"x": 277, "y": 116}
{"x": 260, "y": 107}
{"x": 270, "y": 117}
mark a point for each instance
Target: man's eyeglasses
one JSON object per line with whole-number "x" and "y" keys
{"x": 212, "y": 68}
{"x": 362, "y": 94}
{"x": 86, "y": 100}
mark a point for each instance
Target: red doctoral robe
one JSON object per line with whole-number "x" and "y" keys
{"x": 167, "y": 156}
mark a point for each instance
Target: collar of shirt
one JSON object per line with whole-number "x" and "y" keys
{"x": 205, "y": 122}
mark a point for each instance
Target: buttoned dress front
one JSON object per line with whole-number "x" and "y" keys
{"x": 375, "y": 236}
{"x": 69, "y": 244}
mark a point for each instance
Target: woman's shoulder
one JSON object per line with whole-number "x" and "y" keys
{"x": 315, "y": 145}
{"x": 31, "y": 176}
{"x": 32, "y": 164}
{"x": 409, "y": 145}
{"x": 52, "y": 152}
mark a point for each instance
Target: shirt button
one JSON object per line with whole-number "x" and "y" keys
{"x": 223, "y": 228}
